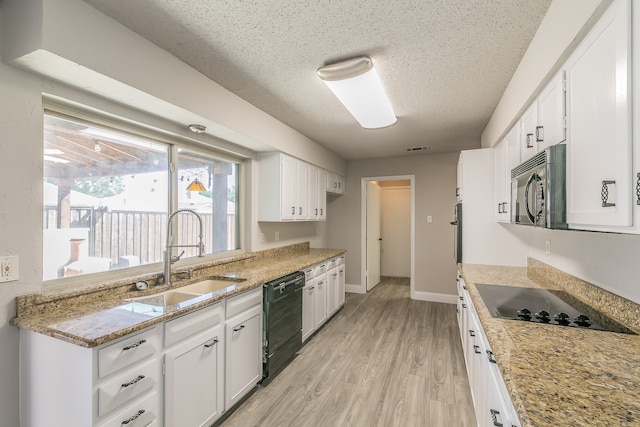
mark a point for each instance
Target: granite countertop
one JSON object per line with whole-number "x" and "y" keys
{"x": 92, "y": 317}
{"x": 563, "y": 376}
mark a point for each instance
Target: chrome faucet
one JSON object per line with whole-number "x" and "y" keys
{"x": 168, "y": 258}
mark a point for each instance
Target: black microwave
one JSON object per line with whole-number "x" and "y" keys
{"x": 539, "y": 189}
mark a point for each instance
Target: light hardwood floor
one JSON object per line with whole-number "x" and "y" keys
{"x": 383, "y": 360}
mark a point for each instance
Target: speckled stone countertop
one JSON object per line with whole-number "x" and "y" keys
{"x": 93, "y": 316}
{"x": 562, "y": 376}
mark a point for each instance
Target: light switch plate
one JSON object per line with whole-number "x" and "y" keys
{"x": 8, "y": 268}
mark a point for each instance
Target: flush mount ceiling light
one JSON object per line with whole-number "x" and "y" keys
{"x": 357, "y": 85}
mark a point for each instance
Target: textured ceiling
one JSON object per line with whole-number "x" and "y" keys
{"x": 444, "y": 63}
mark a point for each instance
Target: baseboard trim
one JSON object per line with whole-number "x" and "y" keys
{"x": 355, "y": 289}
{"x": 433, "y": 297}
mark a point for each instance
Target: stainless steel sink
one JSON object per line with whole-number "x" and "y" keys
{"x": 187, "y": 295}
{"x": 208, "y": 286}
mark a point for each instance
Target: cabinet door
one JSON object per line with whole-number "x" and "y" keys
{"x": 528, "y": 123}
{"x": 288, "y": 174}
{"x": 598, "y": 124}
{"x": 321, "y": 301}
{"x": 194, "y": 380}
{"x": 302, "y": 191}
{"x": 243, "y": 354}
{"x": 551, "y": 113}
{"x": 308, "y": 309}
{"x": 322, "y": 195}
{"x": 459, "y": 179}
{"x": 500, "y": 177}
{"x": 341, "y": 286}
{"x": 332, "y": 292}
{"x": 313, "y": 197}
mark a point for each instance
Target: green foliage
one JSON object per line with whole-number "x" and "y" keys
{"x": 100, "y": 187}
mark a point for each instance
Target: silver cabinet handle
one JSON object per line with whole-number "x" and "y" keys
{"x": 500, "y": 208}
{"x": 490, "y": 356}
{"x": 476, "y": 349}
{"x": 133, "y": 418}
{"x": 238, "y": 328}
{"x": 134, "y": 345}
{"x": 638, "y": 189}
{"x": 604, "y": 194}
{"x": 472, "y": 333}
{"x": 214, "y": 342}
{"x": 529, "y": 140}
{"x": 133, "y": 381}
{"x": 494, "y": 416}
{"x": 300, "y": 210}
{"x": 539, "y": 133}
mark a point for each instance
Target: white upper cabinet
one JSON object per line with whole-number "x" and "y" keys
{"x": 528, "y": 125}
{"x": 335, "y": 183}
{"x": 290, "y": 189}
{"x": 551, "y": 127}
{"x": 544, "y": 122}
{"x": 506, "y": 156}
{"x": 599, "y": 148}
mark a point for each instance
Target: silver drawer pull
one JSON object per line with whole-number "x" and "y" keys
{"x": 133, "y": 381}
{"x": 134, "y": 345}
{"x": 476, "y": 349}
{"x": 214, "y": 342}
{"x": 494, "y": 416}
{"x": 238, "y": 328}
{"x": 604, "y": 194}
{"x": 133, "y": 418}
{"x": 472, "y": 332}
{"x": 490, "y": 356}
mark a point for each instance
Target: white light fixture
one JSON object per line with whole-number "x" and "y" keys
{"x": 357, "y": 85}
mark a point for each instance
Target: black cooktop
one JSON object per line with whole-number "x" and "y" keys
{"x": 548, "y": 306}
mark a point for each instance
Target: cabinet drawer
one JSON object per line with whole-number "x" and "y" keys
{"x": 308, "y": 274}
{"x": 187, "y": 325}
{"x": 128, "y": 386}
{"x": 127, "y": 351}
{"x": 245, "y": 300}
{"x": 320, "y": 269}
{"x": 340, "y": 259}
{"x": 143, "y": 414}
{"x": 332, "y": 263}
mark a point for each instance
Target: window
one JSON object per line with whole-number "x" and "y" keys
{"x": 217, "y": 203}
{"x": 108, "y": 195}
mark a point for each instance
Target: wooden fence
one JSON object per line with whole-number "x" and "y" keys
{"x": 117, "y": 234}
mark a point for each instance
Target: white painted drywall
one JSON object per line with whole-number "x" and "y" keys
{"x": 435, "y": 183}
{"x": 395, "y": 258}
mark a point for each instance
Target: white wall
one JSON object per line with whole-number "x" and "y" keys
{"x": 435, "y": 183}
{"x": 395, "y": 257}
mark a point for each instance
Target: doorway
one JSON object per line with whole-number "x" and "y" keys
{"x": 373, "y": 244}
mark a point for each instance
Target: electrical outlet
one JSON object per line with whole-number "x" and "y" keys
{"x": 277, "y": 236}
{"x": 547, "y": 247}
{"x": 8, "y": 268}
{"x": 262, "y": 237}
{"x": 429, "y": 219}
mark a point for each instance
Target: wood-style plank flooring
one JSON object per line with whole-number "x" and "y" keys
{"x": 383, "y": 360}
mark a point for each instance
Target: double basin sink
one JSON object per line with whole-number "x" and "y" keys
{"x": 189, "y": 294}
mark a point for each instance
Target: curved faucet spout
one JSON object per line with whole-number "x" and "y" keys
{"x": 168, "y": 258}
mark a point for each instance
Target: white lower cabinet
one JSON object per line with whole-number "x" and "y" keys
{"x": 308, "y": 309}
{"x": 116, "y": 384}
{"x": 323, "y": 294}
{"x": 493, "y": 406}
{"x": 320, "y": 312}
{"x": 194, "y": 369}
{"x": 243, "y": 346}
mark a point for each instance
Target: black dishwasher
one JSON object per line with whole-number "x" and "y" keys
{"x": 282, "y": 323}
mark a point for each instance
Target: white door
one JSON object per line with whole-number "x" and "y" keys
{"x": 373, "y": 235}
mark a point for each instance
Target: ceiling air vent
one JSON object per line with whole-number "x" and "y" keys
{"x": 418, "y": 149}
